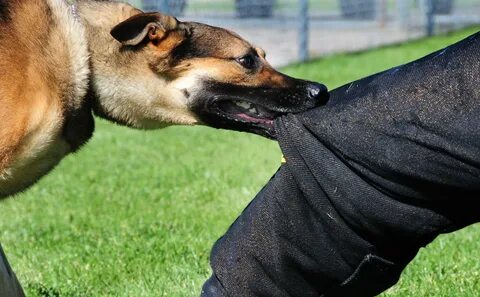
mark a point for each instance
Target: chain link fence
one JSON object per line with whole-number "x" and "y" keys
{"x": 295, "y": 30}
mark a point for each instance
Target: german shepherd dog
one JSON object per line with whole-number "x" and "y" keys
{"x": 60, "y": 60}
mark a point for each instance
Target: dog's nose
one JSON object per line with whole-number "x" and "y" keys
{"x": 317, "y": 93}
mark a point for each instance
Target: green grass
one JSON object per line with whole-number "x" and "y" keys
{"x": 135, "y": 213}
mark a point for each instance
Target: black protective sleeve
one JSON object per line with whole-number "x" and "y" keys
{"x": 391, "y": 162}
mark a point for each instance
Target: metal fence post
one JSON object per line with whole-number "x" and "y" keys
{"x": 382, "y": 12}
{"x": 303, "y": 31}
{"x": 430, "y": 17}
{"x": 403, "y": 13}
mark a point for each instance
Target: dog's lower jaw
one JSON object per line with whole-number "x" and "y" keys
{"x": 158, "y": 117}
{"x": 219, "y": 120}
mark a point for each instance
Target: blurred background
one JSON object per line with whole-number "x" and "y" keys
{"x": 296, "y": 30}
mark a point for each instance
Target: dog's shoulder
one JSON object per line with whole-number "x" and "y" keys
{"x": 44, "y": 51}
{"x": 50, "y": 33}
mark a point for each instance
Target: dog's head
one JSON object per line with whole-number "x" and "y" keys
{"x": 220, "y": 79}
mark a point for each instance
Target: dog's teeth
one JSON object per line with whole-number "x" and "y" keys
{"x": 244, "y": 105}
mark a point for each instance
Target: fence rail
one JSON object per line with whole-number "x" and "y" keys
{"x": 294, "y": 30}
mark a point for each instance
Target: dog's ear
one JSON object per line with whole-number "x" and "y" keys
{"x": 154, "y": 26}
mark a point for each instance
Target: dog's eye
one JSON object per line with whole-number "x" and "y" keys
{"x": 247, "y": 61}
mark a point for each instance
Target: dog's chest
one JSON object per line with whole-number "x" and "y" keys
{"x": 41, "y": 148}
{"x": 52, "y": 134}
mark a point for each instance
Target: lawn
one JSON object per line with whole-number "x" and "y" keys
{"x": 135, "y": 213}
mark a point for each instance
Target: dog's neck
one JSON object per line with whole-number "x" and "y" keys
{"x": 123, "y": 87}
{"x": 98, "y": 18}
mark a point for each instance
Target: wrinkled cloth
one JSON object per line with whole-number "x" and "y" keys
{"x": 9, "y": 286}
{"x": 388, "y": 164}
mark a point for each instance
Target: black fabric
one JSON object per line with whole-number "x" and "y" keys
{"x": 390, "y": 162}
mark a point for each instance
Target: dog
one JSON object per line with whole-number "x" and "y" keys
{"x": 59, "y": 61}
